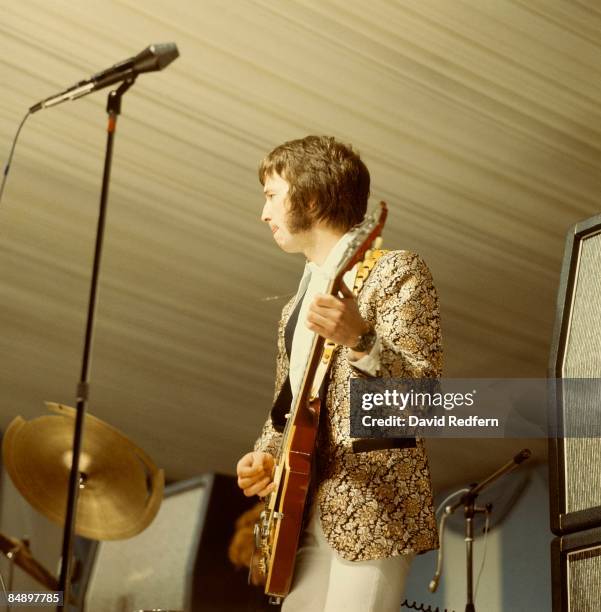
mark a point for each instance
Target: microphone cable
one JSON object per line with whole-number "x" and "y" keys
{"x": 438, "y": 573}
{"x": 10, "y": 155}
{"x": 486, "y": 530}
{"x": 414, "y": 605}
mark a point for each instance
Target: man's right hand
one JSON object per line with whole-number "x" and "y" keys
{"x": 255, "y": 474}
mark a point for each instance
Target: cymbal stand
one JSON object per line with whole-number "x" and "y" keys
{"x": 113, "y": 108}
{"x": 10, "y": 555}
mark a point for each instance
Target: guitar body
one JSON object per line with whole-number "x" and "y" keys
{"x": 283, "y": 518}
{"x": 278, "y": 531}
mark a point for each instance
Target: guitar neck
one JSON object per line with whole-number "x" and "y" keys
{"x": 300, "y": 412}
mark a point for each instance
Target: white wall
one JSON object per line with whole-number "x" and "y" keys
{"x": 516, "y": 575}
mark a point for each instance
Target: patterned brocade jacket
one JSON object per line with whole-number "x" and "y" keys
{"x": 379, "y": 503}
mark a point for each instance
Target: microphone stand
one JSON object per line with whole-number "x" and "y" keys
{"x": 76, "y": 479}
{"x": 468, "y": 501}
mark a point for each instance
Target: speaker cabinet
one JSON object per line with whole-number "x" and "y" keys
{"x": 575, "y": 462}
{"x": 576, "y": 571}
{"x": 180, "y": 562}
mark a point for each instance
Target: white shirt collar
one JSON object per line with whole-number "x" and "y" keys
{"x": 330, "y": 265}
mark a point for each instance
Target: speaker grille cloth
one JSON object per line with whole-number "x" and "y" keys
{"x": 582, "y": 359}
{"x": 584, "y": 580}
{"x": 150, "y": 570}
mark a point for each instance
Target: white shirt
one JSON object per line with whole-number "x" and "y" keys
{"x": 316, "y": 279}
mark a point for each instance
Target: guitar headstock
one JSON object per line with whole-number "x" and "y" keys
{"x": 364, "y": 235}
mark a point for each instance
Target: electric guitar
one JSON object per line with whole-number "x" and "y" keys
{"x": 278, "y": 530}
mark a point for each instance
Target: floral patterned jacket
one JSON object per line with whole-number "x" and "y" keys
{"x": 379, "y": 503}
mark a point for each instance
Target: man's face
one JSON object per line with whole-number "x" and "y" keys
{"x": 275, "y": 214}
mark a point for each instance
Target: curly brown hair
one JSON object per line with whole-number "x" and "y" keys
{"x": 328, "y": 182}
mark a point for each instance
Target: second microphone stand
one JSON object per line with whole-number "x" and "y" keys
{"x": 468, "y": 501}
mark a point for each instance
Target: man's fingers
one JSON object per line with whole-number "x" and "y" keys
{"x": 265, "y": 462}
{"x": 257, "y": 463}
{"x": 245, "y": 461}
{"x": 267, "y": 490}
{"x": 331, "y": 301}
{"x": 252, "y": 474}
{"x": 244, "y": 481}
{"x": 346, "y": 292}
{"x": 255, "y": 472}
{"x": 257, "y": 487}
{"x": 317, "y": 319}
{"x": 247, "y": 472}
{"x": 325, "y": 330}
{"x": 254, "y": 463}
{"x": 327, "y": 301}
{"x": 333, "y": 314}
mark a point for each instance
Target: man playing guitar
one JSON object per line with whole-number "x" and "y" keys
{"x": 371, "y": 507}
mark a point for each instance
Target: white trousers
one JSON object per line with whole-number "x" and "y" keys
{"x": 325, "y": 582}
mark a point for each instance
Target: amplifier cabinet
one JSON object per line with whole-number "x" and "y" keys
{"x": 575, "y": 461}
{"x": 576, "y": 571}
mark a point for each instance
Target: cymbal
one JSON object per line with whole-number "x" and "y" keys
{"x": 121, "y": 489}
{"x": 19, "y": 552}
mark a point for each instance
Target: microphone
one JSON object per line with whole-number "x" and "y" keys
{"x": 434, "y": 583}
{"x": 436, "y": 578}
{"x": 154, "y": 57}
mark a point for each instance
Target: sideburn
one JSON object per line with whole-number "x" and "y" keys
{"x": 299, "y": 219}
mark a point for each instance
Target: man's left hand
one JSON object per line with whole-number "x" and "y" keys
{"x": 337, "y": 319}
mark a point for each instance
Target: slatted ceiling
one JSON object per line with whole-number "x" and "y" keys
{"x": 513, "y": 187}
{"x": 484, "y": 253}
{"x": 577, "y": 26}
{"x": 567, "y": 54}
{"x": 480, "y": 123}
{"x": 473, "y": 317}
{"x": 483, "y": 227}
{"x": 429, "y": 48}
